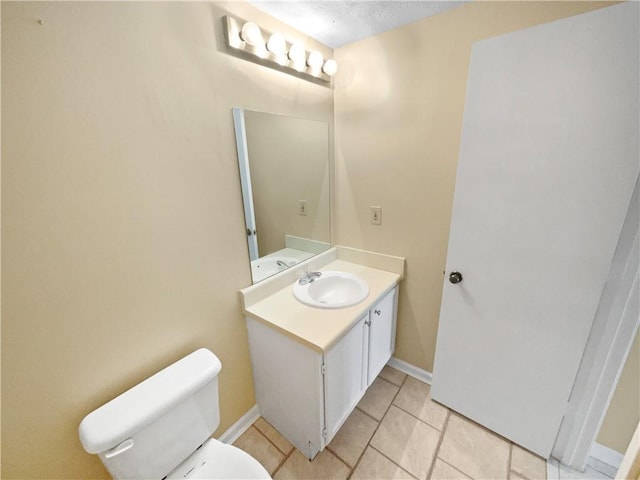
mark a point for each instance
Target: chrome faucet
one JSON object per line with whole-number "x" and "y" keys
{"x": 309, "y": 277}
{"x": 282, "y": 264}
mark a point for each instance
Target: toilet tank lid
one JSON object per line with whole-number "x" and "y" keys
{"x": 136, "y": 408}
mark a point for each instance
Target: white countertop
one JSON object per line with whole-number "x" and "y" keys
{"x": 316, "y": 327}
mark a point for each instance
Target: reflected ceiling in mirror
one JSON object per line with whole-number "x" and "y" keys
{"x": 284, "y": 174}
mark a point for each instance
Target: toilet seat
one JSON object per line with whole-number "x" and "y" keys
{"x": 217, "y": 460}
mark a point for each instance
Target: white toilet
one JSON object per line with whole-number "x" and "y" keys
{"x": 161, "y": 428}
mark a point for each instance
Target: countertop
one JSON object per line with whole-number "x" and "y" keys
{"x": 321, "y": 328}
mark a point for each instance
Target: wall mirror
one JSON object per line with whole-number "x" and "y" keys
{"x": 284, "y": 174}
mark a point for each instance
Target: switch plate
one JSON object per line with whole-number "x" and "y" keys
{"x": 376, "y": 215}
{"x": 302, "y": 207}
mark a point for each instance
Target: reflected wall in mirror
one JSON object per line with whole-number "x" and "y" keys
{"x": 284, "y": 174}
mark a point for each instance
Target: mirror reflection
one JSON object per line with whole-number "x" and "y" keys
{"x": 284, "y": 173}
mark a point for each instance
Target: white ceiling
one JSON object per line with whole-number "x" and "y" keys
{"x": 338, "y": 22}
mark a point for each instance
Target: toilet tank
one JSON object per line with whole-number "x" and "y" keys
{"x": 148, "y": 430}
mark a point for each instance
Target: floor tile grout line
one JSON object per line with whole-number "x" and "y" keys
{"x": 480, "y": 426}
{"x": 383, "y": 417}
{"x": 390, "y": 403}
{"x": 440, "y": 440}
{"x": 428, "y": 398}
{"x": 493, "y": 434}
{"x": 268, "y": 439}
{"x": 284, "y": 460}
{"x": 339, "y": 458}
{"x": 367, "y": 445}
{"x": 418, "y": 418}
{"x": 369, "y": 415}
{"x": 285, "y": 456}
{"x": 509, "y": 460}
{"x": 441, "y": 432}
{"x": 392, "y": 461}
{"x": 393, "y": 399}
{"x": 378, "y": 423}
{"x": 457, "y": 469}
{"x": 391, "y": 381}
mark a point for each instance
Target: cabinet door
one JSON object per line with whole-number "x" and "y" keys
{"x": 345, "y": 377}
{"x": 288, "y": 393}
{"x": 382, "y": 334}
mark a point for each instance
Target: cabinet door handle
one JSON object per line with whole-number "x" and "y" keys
{"x": 367, "y": 322}
{"x": 377, "y": 312}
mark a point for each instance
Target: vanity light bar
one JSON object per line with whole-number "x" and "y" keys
{"x": 249, "y": 41}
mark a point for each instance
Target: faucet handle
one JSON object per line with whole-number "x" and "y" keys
{"x": 309, "y": 277}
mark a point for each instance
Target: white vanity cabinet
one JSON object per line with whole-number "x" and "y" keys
{"x": 306, "y": 393}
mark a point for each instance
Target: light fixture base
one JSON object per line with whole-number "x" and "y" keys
{"x": 263, "y": 56}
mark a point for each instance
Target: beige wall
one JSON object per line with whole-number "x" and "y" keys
{"x": 624, "y": 410}
{"x": 399, "y": 101}
{"x": 124, "y": 242}
{"x": 289, "y": 162}
{"x": 123, "y": 234}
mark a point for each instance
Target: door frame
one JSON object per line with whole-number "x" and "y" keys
{"x": 612, "y": 333}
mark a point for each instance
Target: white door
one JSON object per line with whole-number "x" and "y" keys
{"x": 547, "y": 164}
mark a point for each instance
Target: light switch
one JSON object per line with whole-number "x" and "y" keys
{"x": 302, "y": 207}
{"x": 376, "y": 215}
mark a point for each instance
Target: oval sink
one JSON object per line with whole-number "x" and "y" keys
{"x": 332, "y": 290}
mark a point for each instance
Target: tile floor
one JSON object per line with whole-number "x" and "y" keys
{"x": 398, "y": 432}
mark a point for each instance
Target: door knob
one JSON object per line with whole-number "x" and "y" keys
{"x": 455, "y": 277}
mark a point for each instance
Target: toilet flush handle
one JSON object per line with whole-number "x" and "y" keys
{"x": 120, "y": 448}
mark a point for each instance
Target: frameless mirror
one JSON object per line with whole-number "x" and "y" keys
{"x": 284, "y": 174}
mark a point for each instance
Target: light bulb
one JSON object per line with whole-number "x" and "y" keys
{"x": 277, "y": 44}
{"x": 330, "y": 67}
{"x": 315, "y": 60}
{"x": 298, "y": 55}
{"x": 251, "y": 34}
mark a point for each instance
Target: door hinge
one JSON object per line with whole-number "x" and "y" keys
{"x": 323, "y": 370}
{"x": 325, "y": 434}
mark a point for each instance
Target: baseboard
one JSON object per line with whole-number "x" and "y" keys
{"x": 238, "y": 428}
{"x": 244, "y": 422}
{"x": 411, "y": 370}
{"x": 605, "y": 459}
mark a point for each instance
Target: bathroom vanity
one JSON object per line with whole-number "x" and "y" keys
{"x": 311, "y": 366}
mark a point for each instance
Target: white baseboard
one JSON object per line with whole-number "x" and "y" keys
{"x": 238, "y": 428}
{"x": 411, "y": 370}
{"x": 244, "y": 422}
{"x": 604, "y": 459}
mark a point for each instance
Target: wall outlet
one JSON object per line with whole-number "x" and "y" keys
{"x": 376, "y": 215}
{"x": 302, "y": 207}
